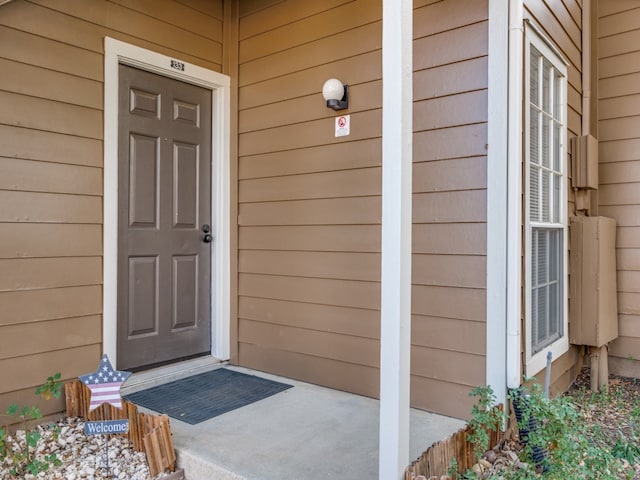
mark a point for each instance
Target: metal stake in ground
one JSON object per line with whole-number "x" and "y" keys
{"x": 106, "y": 454}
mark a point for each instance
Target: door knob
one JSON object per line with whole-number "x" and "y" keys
{"x": 207, "y": 238}
{"x": 206, "y": 228}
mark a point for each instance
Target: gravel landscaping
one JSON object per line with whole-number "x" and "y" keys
{"x": 83, "y": 456}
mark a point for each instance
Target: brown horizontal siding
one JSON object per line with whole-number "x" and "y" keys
{"x": 330, "y": 265}
{"x": 450, "y": 270}
{"x": 62, "y": 240}
{"x": 618, "y": 151}
{"x": 322, "y": 158}
{"x": 627, "y": 106}
{"x": 615, "y": 90}
{"x": 445, "y": 365}
{"x": 26, "y": 306}
{"x": 54, "y": 116}
{"x": 305, "y": 341}
{"x": 441, "y": 396}
{"x": 464, "y": 76}
{"x": 309, "y": 203}
{"x": 325, "y": 211}
{"x": 16, "y": 206}
{"x": 450, "y": 302}
{"x": 359, "y": 70}
{"x": 450, "y": 238}
{"x": 346, "y": 376}
{"x": 307, "y": 108}
{"x": 619, "y": 194}
{"x": 364, "y": 125}
{"x": 27, "y": 144}
{"x": 313, "y": 27}
{"x": 209, "y": 8}
{"x": 621, "y": 64}
{"x": 74, "y": 24}
{"x": 254, "y": 21}
{"x": 27, "y": 396}
{"x": 35, "y": 81}
{"x": 347, "y": 293}
{"x": 41, "y": 51}
{"x": 344, "y": 183}
{"x": 619, "y": 105}
{"x": 436, "y": 207}
{"x": 36, "y": 176}
{"x": 23, "y": 372}
{"x": 435, "y": 333}
{"x": 38, "y": 337}
{"x": 628, "y": 259}
{"x": 451, "y": 46}
{"x": 449, "y": 143}
{"x": 619, "y": 128}
{"x": 450, "y": 175}
{"x": 40, "y": 273}
{"x": 359, "y": 322}
{"x": 344, "y": 44}
{"x": 331, "y": 238}
{"x": 51, "y": 177}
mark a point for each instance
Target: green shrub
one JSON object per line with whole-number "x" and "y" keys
{"x": 23, "y": 460}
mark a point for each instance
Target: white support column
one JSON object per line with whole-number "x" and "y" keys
{"x": 497, "y": 205}
{"x": 395, "y": 335}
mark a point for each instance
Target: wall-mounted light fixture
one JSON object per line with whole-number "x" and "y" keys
{"x": 336, "y": 94}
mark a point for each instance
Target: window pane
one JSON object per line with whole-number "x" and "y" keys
{"x": 541, "y": 260}
{"x": 533, "y": 76}
{"x": 556, "y": 146}
{"x": 546, "y": 141}
{"x": 557, "y": 99}
{"x": 546, "y": 85}
{"x": 556, "y": 217}
{"x": 534, "y": 193}
{"x": 546, "y": 287}
{"x": 534, "y": 135}
{"x": 543, "y": 332}
{"x": 545, "y": 196}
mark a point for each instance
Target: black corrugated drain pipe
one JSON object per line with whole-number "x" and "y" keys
{"x": 520, "y": 406}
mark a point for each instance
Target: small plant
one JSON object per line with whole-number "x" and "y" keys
{"x": 627, "y": 449}
{"x": 485, "y": 417}
{"x": 561, "y": 433}
{"x": 23, "y": 460}
{"x": 51, "y": 388}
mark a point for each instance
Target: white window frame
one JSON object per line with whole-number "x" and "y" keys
{"x": 534, "y": 363}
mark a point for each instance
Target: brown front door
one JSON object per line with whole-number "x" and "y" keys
{"x": 164, "y": 209}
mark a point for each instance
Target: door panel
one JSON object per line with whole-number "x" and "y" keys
{"x": 164, "y": 198}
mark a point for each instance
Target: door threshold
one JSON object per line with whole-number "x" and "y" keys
{"x": 168, "y": 373}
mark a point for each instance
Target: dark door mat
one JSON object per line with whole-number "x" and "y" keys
{"x": 207, "y": 395}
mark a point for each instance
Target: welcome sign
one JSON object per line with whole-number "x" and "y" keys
{"x": 106, "y": 427}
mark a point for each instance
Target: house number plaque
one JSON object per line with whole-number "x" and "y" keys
{"x": 177, "y": 65}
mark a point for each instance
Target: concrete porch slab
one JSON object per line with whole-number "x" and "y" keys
{"x": 307, "y": 432}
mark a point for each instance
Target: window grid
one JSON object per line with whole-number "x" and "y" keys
{"x": 546, "y": 287}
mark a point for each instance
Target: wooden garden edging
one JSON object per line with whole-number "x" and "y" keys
{"x": 436, "y": 460}
{"x": 150, "y": 434}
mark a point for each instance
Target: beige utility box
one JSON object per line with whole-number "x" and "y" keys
{"x": 593, "y": 303}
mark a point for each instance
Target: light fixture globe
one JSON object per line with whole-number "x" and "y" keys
{"x": 336, "y": 94}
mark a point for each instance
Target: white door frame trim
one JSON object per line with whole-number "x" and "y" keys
{"x": 117, "y": 52}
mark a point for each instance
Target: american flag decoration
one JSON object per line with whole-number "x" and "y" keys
{"x": 105, "y": 384}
